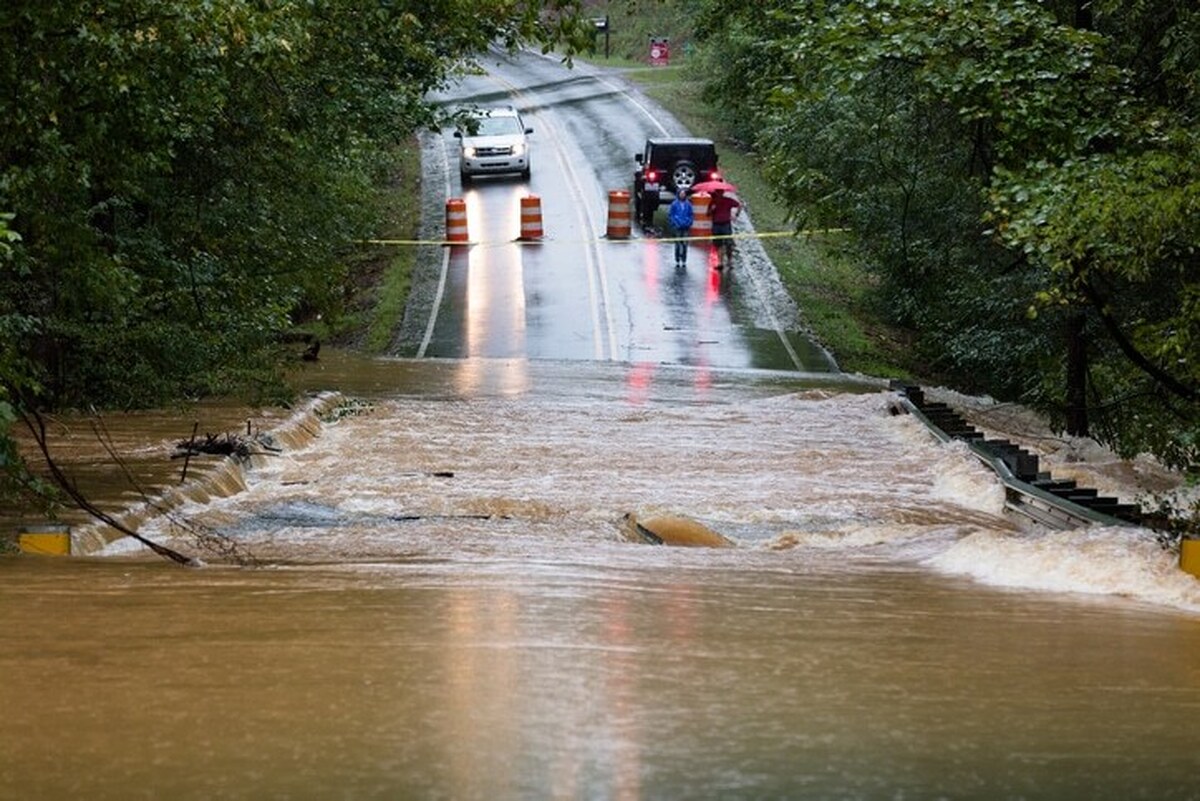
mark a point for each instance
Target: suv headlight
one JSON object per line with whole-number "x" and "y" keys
{"x": 469, "y": 152}
{"x": 519, "y": 149}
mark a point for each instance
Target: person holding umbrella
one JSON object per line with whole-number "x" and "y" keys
{"x": 723, "y": 208}
{"x": 681, "y": 217}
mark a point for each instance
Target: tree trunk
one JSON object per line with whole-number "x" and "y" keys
{"x": 1077, "y": 369}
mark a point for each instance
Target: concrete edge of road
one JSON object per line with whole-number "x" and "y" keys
{"x": 222, "y": 477}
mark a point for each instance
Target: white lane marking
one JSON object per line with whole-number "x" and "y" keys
{"x": 441, "y": 287}
{"x": 588, "y": 255}
{"x": 625, "y": 94}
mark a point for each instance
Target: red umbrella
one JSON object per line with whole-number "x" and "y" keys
{"x": 709, "y": 186}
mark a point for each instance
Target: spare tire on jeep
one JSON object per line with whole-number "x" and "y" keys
{"x": 667, "y": 165}
{"x": 683, "y": 175}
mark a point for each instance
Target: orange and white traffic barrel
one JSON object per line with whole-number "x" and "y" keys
{"x": 619, "y": 218}
{"x": 456, "y": 221}
{"x": 701, "y": 219}
{"x": 531, "y": 217}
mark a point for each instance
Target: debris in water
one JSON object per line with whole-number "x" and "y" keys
{"x": 674, "y": 530}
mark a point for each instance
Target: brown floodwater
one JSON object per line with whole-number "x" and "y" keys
{"x": 445, "y": 604}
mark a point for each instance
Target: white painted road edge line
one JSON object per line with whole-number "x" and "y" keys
{"x": 441, "y": 287}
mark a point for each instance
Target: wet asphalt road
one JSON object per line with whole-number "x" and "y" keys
{"x": 577, "y": 294}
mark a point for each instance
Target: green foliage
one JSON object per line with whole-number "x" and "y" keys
{"x": 1123, "y": 224}
{"x": 389, "y": 291}
{"x": 181, "y": 181}
{"x": 8, "y": 448}
{"x": 1006, "y": 167}
{"x": 7, "y": 236}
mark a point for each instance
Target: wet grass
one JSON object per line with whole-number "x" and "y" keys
{"x": 830, "y": 286}
{"x": 379, "y": 276}
{"x": 403, "y": 222}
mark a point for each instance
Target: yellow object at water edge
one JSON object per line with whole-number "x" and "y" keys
{"x": 49, "y": 540}
{"x": 1189, "y": 557}
{"x": 670, "y": 530}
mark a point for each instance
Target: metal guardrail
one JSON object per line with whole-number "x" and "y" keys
{"x": 1021, "y": 496}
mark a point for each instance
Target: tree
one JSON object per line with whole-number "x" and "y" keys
{"x": 1019, "y": 175}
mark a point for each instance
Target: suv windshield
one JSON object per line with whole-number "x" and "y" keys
{"x": 497, "y": 126}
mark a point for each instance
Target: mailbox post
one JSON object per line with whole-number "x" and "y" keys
{"x": 601, "y": 24}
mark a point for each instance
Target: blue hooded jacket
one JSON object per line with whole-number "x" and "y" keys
{"x": 680, "y": 215}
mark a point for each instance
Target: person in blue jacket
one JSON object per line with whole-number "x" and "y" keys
{"x": 681, "y": 217}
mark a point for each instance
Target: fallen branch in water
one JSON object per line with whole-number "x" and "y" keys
{"x": 188, "y": 459}
{"x": 213, "y": 445}
{"x": 37, "y": 427}
{"x": 208, "y": 539}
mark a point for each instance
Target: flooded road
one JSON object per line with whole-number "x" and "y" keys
{"x": 441, "y": 597}
{"x": 597, "y": 675}
{"x": 449, "y": 607}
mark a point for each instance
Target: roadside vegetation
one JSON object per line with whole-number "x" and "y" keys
{"x": 378, "y": 280}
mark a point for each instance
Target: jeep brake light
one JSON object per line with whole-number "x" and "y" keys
{"x": 714, "y": 176}
{"x": 651, "y": 176}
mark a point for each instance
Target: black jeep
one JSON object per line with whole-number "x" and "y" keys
{"x": 665, "y": 167}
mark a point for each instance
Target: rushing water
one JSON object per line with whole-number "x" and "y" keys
{"x": 448, "y": 606}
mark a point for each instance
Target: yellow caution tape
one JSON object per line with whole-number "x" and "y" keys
{"x": 492, "y": 243}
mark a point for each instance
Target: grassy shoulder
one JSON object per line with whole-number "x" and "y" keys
{"x": 819, "y": 270}
{"x": 379, "y": 276}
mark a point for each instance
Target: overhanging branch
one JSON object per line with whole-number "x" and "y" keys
{"x": 1131, "y": 352}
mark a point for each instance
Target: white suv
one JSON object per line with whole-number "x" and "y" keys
{"x": 494, "y": 142}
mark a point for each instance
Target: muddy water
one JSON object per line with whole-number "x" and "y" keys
{"x": 449, "y": 607}
{"x": 119, "y": 459}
